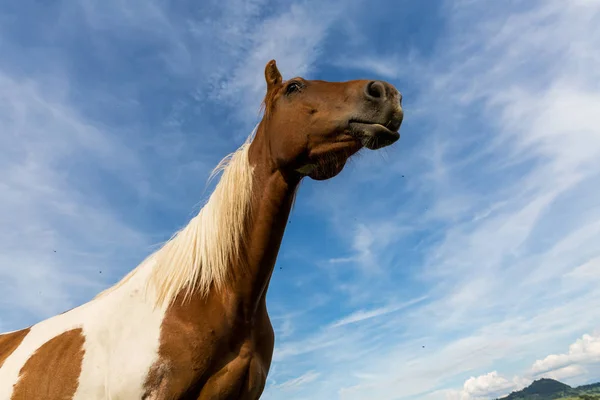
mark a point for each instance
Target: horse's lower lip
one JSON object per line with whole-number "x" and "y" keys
{"x": 373, "y": 135}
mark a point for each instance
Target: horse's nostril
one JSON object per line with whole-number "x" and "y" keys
{"x": 375, "y": 90}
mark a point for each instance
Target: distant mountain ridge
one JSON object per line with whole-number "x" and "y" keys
{"x": 550, "y": 389}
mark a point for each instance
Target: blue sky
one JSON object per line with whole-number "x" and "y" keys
{"x": 461, "y": 263}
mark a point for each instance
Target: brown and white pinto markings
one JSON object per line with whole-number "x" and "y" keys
{"x": 191, "y": 322}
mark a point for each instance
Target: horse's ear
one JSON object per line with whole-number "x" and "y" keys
{"x": 272, "y": 75}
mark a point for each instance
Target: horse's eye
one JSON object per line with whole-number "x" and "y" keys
{"x": 292, "y": 87}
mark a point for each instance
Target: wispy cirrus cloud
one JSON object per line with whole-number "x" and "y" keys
{"x": 300, "y": 381}
{"x": 496, "y": 194}
{"x": 109, "y": 109}
{"x": 45, "y": 143}
{"x": 363, "y": 315}
{"x": 439, "y": 267}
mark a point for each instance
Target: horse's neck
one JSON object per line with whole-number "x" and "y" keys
{"x": 271, "y": 200}
{"x": 271, "y": 204}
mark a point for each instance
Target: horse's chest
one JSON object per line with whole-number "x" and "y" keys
{"x": 216, "y": 359}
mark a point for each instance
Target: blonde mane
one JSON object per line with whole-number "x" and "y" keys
{"x": 199, "y": 256}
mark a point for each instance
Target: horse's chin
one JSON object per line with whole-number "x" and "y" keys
{"x": 327, "y": 171}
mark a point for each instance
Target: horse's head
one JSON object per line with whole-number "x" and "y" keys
{"x": 312, "y": 127}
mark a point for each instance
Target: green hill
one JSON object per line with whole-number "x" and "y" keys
{"x": 550, "y": 389}
{"x": 594, "y": 387}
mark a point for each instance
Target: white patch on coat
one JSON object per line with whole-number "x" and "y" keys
{"x": 122, "y": 332}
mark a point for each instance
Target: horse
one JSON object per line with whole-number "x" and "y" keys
{"x": 190, "y": 321}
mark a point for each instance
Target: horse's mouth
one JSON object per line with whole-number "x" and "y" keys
{"x": 374, "y": 135}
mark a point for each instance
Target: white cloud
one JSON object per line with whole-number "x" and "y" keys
{"x": 585, "y": 350}
{"x": 300, "y": 381}
{"x": 363, "y": 241}
{"x": 363, "y": 315}
{"x": 588, "y": 271}
{"x": 566, "y": 373}
{"x": 491, "y": 385}
{"x": 567, "y": 368}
